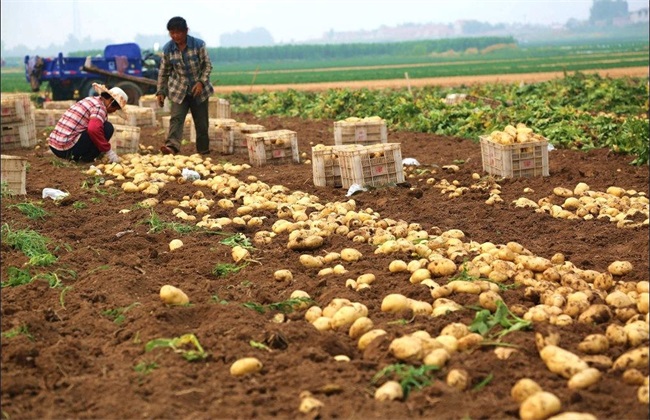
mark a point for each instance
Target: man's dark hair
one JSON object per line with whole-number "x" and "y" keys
{"x": 177, "y": 23}
{"x": 106, "y": 95}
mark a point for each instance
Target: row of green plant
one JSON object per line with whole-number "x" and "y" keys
{"x": 577, "y": 111}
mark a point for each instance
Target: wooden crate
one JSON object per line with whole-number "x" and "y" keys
{"x": 365, "y": 131}
{"x": 15, "y": 107}
{"x": 515, "y": 160}
{"x": 273, "y": 148}
{"x": 325, "y": 164}
{"x": 14, "y": 173}
{"x": 135, "y": 116}
{"x": 18, "y": 135}
{"x": 126, "y": 139}
{"x": 58, "y": 104}
{"x": 150, "y": 101}
{"x": 374, "y": 165}
{"x": 218, "y": 108}
{"x": 218, "y": 130}
{"x": 187, "y": 129}
{"x": 44, "y": 118}
{"x": 235, "y": 142}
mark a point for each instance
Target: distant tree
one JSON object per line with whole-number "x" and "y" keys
{"x": 607, "y": 10}
{"x": 256, "y": 37}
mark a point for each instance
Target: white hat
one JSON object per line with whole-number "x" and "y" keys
{"x": 116, "y": 93}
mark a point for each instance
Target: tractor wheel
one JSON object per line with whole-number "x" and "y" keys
{"x": 132, "y": 90}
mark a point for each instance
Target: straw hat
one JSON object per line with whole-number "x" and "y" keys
{"x": 116, "y": 93}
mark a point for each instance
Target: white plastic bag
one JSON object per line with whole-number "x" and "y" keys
{"x": 54, "y": 194}
{"x": 354, "y": 188}
{"x": 410, "y": 162}
{"x": 190, "y": 175}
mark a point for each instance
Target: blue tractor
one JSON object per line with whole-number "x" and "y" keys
{"x": 122, "y": 65}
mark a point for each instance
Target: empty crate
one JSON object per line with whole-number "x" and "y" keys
{"x": 234, "y": 143}
{"x": 515, "y": 160}
{"x": 374, "y": 165}
{"x": 15, "y": 107}
{"x": 14, "y": 171}
{"x": 218, "y": 108}
{"x": 366, "y": 131}
{"x": 18, "y": 135}
{"x": 325, "y": 164}
{"x": 273, "y": 147}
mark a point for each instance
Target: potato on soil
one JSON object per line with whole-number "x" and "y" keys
{"x": 562, "y": 362}
{"x": 389, "y": 391}
{"x": 539, "y": 406}
{"x": 245, "y": 366}
{"x": 173, "y": 296}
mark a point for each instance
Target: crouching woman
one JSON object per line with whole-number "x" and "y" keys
{"x": 83, "y": 132}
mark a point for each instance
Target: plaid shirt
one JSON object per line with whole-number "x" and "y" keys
{"x": 180, "y": 70}
{"x": 75, "y": 120}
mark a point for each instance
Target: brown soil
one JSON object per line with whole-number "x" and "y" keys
{"x": 435, "y": 81}
{"x": 80, "y": 363}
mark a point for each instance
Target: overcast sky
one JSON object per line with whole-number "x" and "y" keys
{"x": 40, "y": 23}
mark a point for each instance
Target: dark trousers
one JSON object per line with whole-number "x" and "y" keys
{"x": 85, "y": 150}
{"x": 199, "y": 112}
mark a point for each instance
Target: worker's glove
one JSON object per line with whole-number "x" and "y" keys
{"x": 112, "y": 156}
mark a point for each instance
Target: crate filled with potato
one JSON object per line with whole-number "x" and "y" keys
{"x": 126, "y": 139}
{"x": 136, "y": 116}
{"x": 151, "y": 101}
{"x": 218, "y": 108}
{"x": 374, "y": 165}
{"x": 325, "y": 164}
{"x": 58, "y": 104}
{"x": 234, "y": 143}
{"x": 364, "y": 131}
{"x": 218, "y": 130}
{"x": 187, "y": 127}
{"x": 515, "y": 152}
{"x": 277, "y": 147}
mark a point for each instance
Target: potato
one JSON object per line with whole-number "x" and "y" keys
{"x": 419, "y": 275}
{"x": 523, "y": 389}
{"x": 240, "y": 253}
{"x": 594, "y": 344}
{"x": 360, "y": 326}
{"x": 368, "y": 337}
{"x": 397, "y": 266}
{"x": 313, "y": 313}
{"x": 350, "y": 254}
{"x": 345, "y": 316}
{"x": 635, "y": 358}
{"x": 406, "y": 348}
{"x": 616, "y": 335}
{"x": 596, "y": 314}
{"x": 584, "y": 379}
{"x": 310, "y": 261}
{"x": 420, "y": 307}
{"x": 283, "y": 275}
{"x": 458, "y": 379}
{"x": 620, "y": 268}
{"x": 561, "y": 361}
{"x": 633, "y": 377}
{"x": 305, "y": 242}
{"x": 394, "y": 303}
{"x": 573, "y": 415}
{"x": 173, "y": 296}
{"x": 456, "y": 329}
{"x": 503, "y": 353}
{"x": 309, "y": 405}
{"x": 437, "y": 357}
{"x": 442, "y": 267}
{"x": 245, "y": 366}
{"x": 489, "y": 299}
{"x": 322, "y": 323}
{"x": 390, "y": 390}
{"x": 175, "y": 244}
{"x": 539, "y": 406}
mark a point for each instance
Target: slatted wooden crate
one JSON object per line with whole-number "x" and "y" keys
{"x": 374, "y": 165}
{"x": 366, "y": 131}
{"x": 273, "y": 148}
{"x": 187, "y": 128}
{"x": 58, "y": 104}
{"x": 235, "y": 142}
{"x": 15, "y": 107}
{"x": 126, "y": 139}
{"x": 44, "y": 118}
{"x": 218, "y": 108}
{"x": 135, "y": 116}
{"x": 14, "y": 173}
{"x": 150, "y": 101}
{"x": 20, "y": 135}
{"x": 218, "y": 130}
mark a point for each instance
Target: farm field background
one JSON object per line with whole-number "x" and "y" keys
{"x": 84, "y": 329}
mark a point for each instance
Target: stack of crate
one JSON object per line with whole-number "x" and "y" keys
{"x": 187, "y": 128}
{"x": 58, "y": 104}
{"x": 375, "y": 165}
{"x": 235, "y": 141}
{"x": 126, "y": 139}
{"x": 135, "y": 116}
{"x": 46, "y": 118}
{"x": 18, "y": 127}
{"x": 364, "y": 131}
{"x": 151, "y": 101}
{"x": 218, "y": 108}
{"x": 219, "y": 129}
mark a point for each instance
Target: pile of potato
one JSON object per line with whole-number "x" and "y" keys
{"x": 515, "y": 134}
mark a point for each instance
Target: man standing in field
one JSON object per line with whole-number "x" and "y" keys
{"x": 185, "y": 79}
